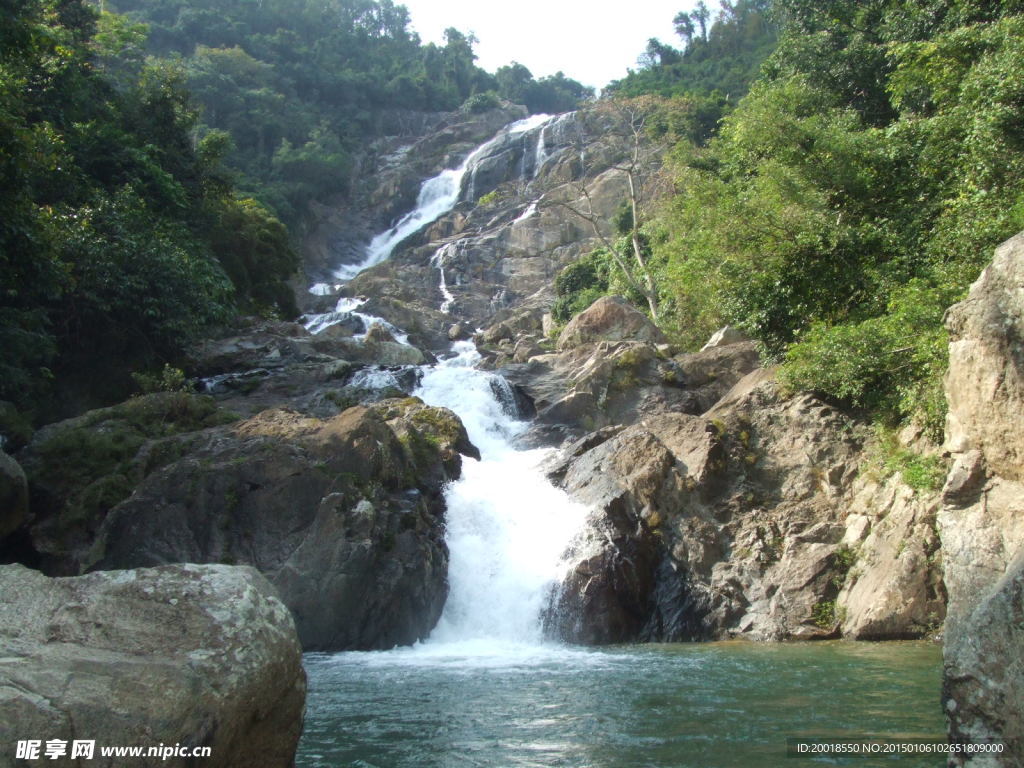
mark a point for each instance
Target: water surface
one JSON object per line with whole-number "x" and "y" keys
{"x": 713, "y": 705}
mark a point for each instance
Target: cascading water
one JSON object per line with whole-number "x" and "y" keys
{"x": 344, "y": 310}
{"x": 437, "y": 196}
{"x": 437, "y": 260}
{"x": 507, "y": 525}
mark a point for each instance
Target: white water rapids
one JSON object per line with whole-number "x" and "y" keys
{"x": 507, "y": 526}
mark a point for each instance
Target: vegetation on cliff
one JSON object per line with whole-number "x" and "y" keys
{"x": 300, "y": 85}
{"x": 852, "y": 195}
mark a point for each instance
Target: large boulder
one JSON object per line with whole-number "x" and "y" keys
{"x": 730, "y": 524}
{"x": 982, "y": 518}
{"x": 81, "y": 468}
{"x": 13, "y": 495}
{"x": 596, "y": 385}
{"x": 197, "y": 656}
{"x": 343, "y": 513}
{"x": 984, "y": 672}
{"x": 610, "y": 318}
{"x": 344, "y": 516}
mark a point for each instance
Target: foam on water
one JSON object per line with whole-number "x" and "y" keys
{"x": 507, "y": 530}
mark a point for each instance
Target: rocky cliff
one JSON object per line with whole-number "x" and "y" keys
{"x": 982, "y": 515}
{"x": 515, "y": 224}
{"x": 721, "y": 506}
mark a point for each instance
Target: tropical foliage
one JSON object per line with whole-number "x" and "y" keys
{"x": 118, "y": 227}
{"x": 853, "y": 195}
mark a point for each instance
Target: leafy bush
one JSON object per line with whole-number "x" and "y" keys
{"x": 481, "y": 102}
{"x": 579, "y": 285}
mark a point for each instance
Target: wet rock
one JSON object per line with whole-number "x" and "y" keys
{"x": 377, "y": 333}
{"x": 210, "y": 652}
{"x": 345, "y": 328}
{"x": 457, "y": 332}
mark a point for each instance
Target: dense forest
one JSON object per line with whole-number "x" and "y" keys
{"x": 120, "y": 233}
{"x": 301, "y": 85}
{"x": 850, "y": 197}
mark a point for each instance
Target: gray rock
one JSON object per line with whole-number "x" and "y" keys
{"x": 718, "y": 526}
{"x": 13, "y": 496}
{"x": 610, "y": 318}
{"x": 984, "y": 673}
{"x": 893, "y": 587}
{"x": 185, "y": 654}
{"x": 985, "y": 383}
{"x": 378, "y": 333}
{"x": 982, "y": 519}
{"x": 725, "y": 336}
{"x": 390, "y": 353}
{"x": 344, "y": 516}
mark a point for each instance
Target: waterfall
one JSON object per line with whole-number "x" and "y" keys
{"x": 542, "y": 152}
{"x": 437, "y": 260}
{"x": 507, "y": 526}
{"x": 437, "y": 196}
{"x": 530, "y": 210}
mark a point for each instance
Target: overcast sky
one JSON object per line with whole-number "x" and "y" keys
{"x": 591, "y": 41}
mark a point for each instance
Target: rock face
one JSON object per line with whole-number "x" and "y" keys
{"x": 610, "y": 318}
{"x": 345, "y": 517}
{"x": 13, "y": 495}
{"x": 982, "y": 518}
{"x": 984, "y": 675}
{"x": 344, "y": 514}
{"x": 598, "y": 384}
{"x": 202, "y": 656}
{"x": 510, "y": 233}
{"x": 752, "y": 520}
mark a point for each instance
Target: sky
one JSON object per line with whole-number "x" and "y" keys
{"x": 591, "y": 41}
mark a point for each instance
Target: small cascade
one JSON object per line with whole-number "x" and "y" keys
{"x": 437, "y": 260}
{"x": 530, "y": 210}
{"x": 508, "y": 527}
{"x": 541, "y": 155}
{"x": 518, "y": 128}
{"x": 346, "y": 310}
{"x": 323, "y": 289}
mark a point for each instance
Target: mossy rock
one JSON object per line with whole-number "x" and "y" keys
{"x": 81, "y": 468}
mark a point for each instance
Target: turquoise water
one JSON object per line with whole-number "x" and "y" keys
{"x": 713, "y": 705}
